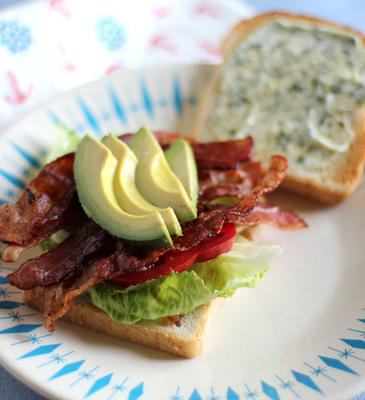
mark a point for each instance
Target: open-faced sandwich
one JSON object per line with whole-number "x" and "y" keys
{"x": 296, "y": 84}
{"x": 143, "y": 232}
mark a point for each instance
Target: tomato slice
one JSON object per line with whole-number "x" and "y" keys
{"x": 179, "y": 261}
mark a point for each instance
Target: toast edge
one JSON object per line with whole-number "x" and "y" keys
{"x": 152, "y": 335}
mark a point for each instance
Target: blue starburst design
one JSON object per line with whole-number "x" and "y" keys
{"x": 250, "y": 394}
{"x": 111, "y": 33}
{"x": 346, "y": 353}
{"x": 319, "y": 371}
{"x": 287, "y": 385}
{"x": 213, "y": 396}
{"x": 59, "y": 359}
{"x": 362, "y": 333}
{"x": 14, "y": 36}
{"x": 15, "y": 317}
{"x": 33, "y": 338}
{"x": 119, "y": 388}
{"x": 177, "y": 395}
{"x": 88, "y": 375}
{"x": 4, "y": 293}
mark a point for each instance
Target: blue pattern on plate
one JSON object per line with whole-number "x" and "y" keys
{"x": 68, "y": 369}
{"x": 10, "y": 305}
{"x": 231, "y": 394}
{"x": 356, "y": 343}
{"x": 3, "y": 281}
{"x": 146, "y": 98}
{"x": 320, "y": 371}
{"x": 305, "y": 380}
{"x": 195, "y": 395}
{"x": 136, "y": 392}
{"x": 14, "y": 180}
{"x": 33, "y": 160}
{"x": 20, "y": 329}
{"x": 117, "y": 105}
{"x": 89, "y": 115}
{"x": 270, "y": 391}
{"x": 40, "y": 351}
{"x": 334, "y": 363}
{"x": 99, "y": 384}
{"x": 178, "y": 100}
{"x": 16, "y": 317}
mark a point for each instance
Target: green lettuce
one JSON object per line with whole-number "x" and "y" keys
{"x": 67, "y": 142}
{"x": 54, "y": 240}
{"x": 180, "y": 293}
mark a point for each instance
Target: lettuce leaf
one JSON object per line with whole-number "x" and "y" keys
{"x": 54, "y": 240}
{"x": 67, "y": 142}
{"x": 180, "y": 293}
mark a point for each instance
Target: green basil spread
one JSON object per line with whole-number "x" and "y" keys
{"x": 294, "y": 88}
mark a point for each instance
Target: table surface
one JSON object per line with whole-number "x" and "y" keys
{"x": 347, "y": 12}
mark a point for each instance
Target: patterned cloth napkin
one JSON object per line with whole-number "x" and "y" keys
{"x": 51, "y": 46}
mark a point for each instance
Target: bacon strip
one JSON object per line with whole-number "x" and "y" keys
{"x": 43, "y": 207}
{"x": 58, "y": 297}
{"x": 222, "y": 155}
{"x": 236, "y": 182}
{"x": 56, "y": 264}
{"x": 264, "y": 213}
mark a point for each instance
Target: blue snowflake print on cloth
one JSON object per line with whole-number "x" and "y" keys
{"x": 14, "y": 36}
{"x": 111, "y": 33}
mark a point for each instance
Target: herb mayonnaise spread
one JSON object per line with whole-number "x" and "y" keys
{"x": 294, "y": 88}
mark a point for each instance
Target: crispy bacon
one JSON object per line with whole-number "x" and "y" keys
{"x": 264, "y": 213}
{"x": 43, "y": 208}
{"x": 236, "y": 182}
{"x": 58, "y": 297}
{"x": 222, "y": 155}
{"x": 56, "y": 264}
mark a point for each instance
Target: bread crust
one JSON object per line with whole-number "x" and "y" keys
{"x": 184, "y": 341}
{"x": 330, "y": 190}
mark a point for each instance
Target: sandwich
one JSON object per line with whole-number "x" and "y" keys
{"x": 295, "y": 84}
{"x": 143, "y": 233}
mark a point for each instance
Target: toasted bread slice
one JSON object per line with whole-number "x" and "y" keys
{"x": 186, "y": 340}
{"x": 340, "y": 175}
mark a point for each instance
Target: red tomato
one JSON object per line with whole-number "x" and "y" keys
{"x": 179, "y": 261}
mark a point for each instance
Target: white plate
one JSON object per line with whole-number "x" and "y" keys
{"x": 299, "y": 334}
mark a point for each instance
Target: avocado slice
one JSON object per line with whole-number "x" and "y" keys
{"x": 181, "y": 159}
{"x": 94, "y": 171}
{"x": 126, "y": 192}
{"x": 155, "y": 179}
